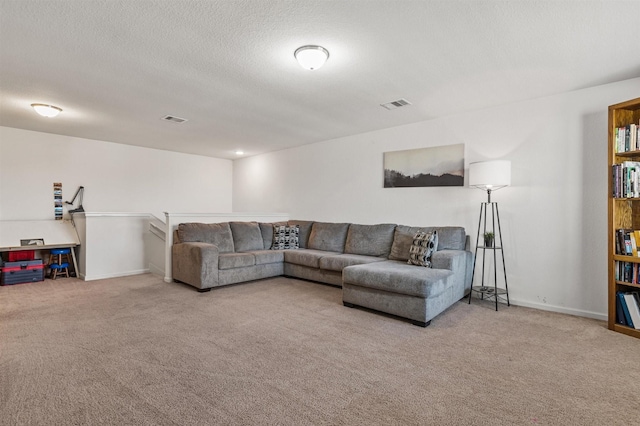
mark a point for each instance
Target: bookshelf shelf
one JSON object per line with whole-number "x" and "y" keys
{"x": 623, "y": 258}
{"x": 629, "y": 154}
{"x": 626, "y": 330}
{"x": 623, "y": 212}
{"x": 626, "y": 284}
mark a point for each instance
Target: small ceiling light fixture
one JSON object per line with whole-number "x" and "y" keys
{"x": 46, "y": 110}
{"x": 239, "y": 152}
{"x": 311, "y": 57}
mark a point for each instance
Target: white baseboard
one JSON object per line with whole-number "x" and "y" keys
{"x": 560, "y": 309}
{"x": 114, "y": 275}
{"x": 156, "y": 270}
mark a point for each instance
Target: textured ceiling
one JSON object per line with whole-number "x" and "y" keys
{"x": 117, "y": 66}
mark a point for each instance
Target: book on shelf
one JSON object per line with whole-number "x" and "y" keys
{"x": 627, "y": 272}
{"x": 628, "y": 309}
{"x": 626, "y": 179}
{"x": 625, "y": 309}
{"x": 634, "y": 309}
{"x": 620, "y": 319}
{"x": 627, "y": 138}
{"x": 627, "y": 242}
{"x": 624, "y": 242}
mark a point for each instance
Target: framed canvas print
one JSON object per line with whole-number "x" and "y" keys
{"x": 435, "y": 166}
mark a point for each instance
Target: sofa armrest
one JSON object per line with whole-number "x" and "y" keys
{"x": 448, "y": 259}
{"x": 460, "y": 262}
{"x": 195, "y": 264}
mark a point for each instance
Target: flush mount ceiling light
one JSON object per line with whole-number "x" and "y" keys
{"x": 46, "y": 110}
{"x": 311, "y": 57}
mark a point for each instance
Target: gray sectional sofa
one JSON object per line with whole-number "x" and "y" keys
{"x": 369, "y": 262}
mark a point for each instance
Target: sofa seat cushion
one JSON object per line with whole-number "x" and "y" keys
{"x": 306, "y": 257}
{"x": 246, "y": 236}
{"x": 399, "y": 277}
{"x": 328, "y": 236}
{"x": 370, "y": 240}
{"x": 340, "y": 261}
{"x": 218, "y": 234}
{"x": 264, "y": 257}
{"x": 235, "y": 260}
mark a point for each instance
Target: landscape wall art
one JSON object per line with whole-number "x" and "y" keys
{"x": 435, "y": 166}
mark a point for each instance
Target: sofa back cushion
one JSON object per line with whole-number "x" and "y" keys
{"x": 218, "y": 234}
{"x": 370, "y": 240}
{"x": 246, "y": 236}
{"x": 328, "y": 236}
{"x": 266, "y": 229}
{"x": 305, "y": 231}
{"x": 402, "y": 241}
{"x": 449, "y": 238}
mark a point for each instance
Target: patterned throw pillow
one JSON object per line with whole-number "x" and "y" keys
{"x": 424, "y": 245}
{"x": 285, "y": 237}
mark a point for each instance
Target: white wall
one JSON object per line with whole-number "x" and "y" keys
{"x": 116, "y": 177}
{"x": 115, "y": 245}
{"x": 553, "y": 216}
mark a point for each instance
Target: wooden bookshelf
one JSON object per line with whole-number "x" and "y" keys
{"x": 623, "y": 212}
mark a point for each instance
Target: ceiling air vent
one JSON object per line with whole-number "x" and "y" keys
{"x": 174, "y": 119}
{"x": 396, "y": 104}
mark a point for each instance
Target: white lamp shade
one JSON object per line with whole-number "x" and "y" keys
{"x": 490, "y": 174}
{"x": 311, "y": 57}
{"x": 46, "y": 110}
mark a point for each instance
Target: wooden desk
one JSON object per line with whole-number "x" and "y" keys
{"x": 55, "y": 233}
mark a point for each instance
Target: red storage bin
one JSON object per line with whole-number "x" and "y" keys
{"x": 18, "y": 256}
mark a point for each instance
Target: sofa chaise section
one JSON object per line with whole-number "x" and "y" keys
{"x": 417, "y": 293}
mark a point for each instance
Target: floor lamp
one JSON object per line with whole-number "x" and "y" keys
{"x": 490, "y": 176}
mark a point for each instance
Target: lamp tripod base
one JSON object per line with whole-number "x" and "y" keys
{"x": 490, "y": 291}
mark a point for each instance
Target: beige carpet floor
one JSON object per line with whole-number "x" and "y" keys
{"x": 139, "y": 351}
